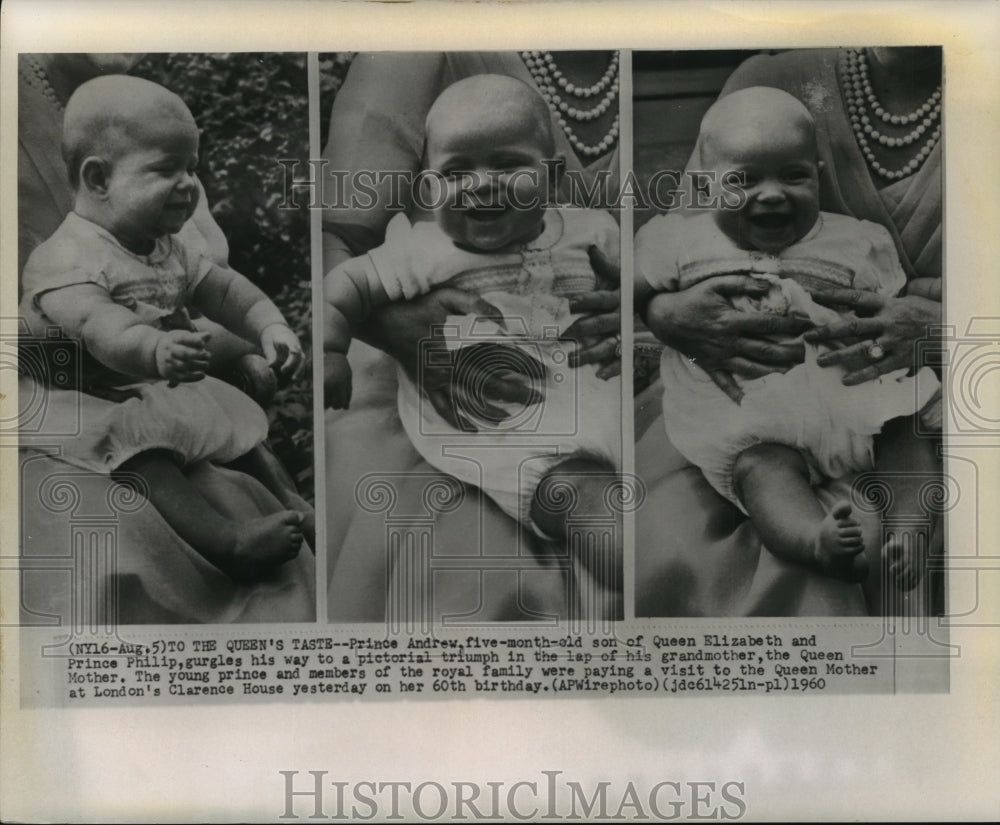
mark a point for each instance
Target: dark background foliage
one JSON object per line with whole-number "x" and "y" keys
{"x": 252, "y": 111}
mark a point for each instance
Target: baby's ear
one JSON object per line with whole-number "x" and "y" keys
{"x": 94, "y": 175}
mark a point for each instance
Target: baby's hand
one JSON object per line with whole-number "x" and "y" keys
{"x": 182, "y": 356}
{"x": 336, "y": 381}
{"x": 282, "y": 350}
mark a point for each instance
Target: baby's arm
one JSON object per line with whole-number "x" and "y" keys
{"x": 117, "y": 338}
{"x": 349, "y": 296}
{"x": 230, "y": 299}
{"x": 655, "y": 268}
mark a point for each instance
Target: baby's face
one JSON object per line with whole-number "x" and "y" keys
{"x": 493, "y": 178}
{"x": 780, "y": 179}
{"x": 151, "y": 189}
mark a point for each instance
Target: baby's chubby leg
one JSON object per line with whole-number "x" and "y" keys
{"x": 245, "y": 550}
{"x": 575, "y": 496}
{"x": 263, "y": 465}
{"x": 772, "y": 481}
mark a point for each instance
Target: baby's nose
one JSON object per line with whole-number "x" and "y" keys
{"x": 483, "y": 180}
{"x": 770, "y": 191}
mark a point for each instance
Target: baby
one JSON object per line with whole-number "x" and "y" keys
{"x": 117, "y": 278}
{"x": 792, "y": 430}
{"x": 487, "y": 138}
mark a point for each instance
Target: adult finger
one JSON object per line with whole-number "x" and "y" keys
{"x": 594, "y": 326}
{"x": 732, "y": 286}
{"x": 604, "y": 350}
{"x": 847, "y": 328}
{"x": 856, "y": 299}
{"x": 770, "y": 352}
{"x": 512, "y": 391}
{"x": 765, "y": 324}
{"x": 724, "y": 381}
{"x": 441, "y": 401}
{"x": 480, "y": 364}
{"x": 597, "y": 301}
{"x": 605, "y": 268}
{"x": 855, "y": 356}
{"x": 870, "y": 373}
{"x": 745, "y": 368}
{"x": 467, "y": 404}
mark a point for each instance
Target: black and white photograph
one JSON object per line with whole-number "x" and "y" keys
{"x": 500, "y": 411}
{"x": 165, "y": 316}
{"x": 789, "y": 265}
{"x": 473, "y": 427}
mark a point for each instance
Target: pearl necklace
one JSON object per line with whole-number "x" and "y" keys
{"x": 858, "y": 92}
{"x": 34, "y": 74}
{"x": 548, "y": 77}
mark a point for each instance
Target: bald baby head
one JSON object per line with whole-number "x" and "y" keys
{"x": 750, "y": 117}
{"x": 761, "y": 144}
{"x": 107, "y": 116}
{"x": 489, "y": 106}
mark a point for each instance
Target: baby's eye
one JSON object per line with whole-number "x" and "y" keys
{"x": 505, "y": 164}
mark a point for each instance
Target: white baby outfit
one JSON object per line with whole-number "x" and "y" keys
{"x": 807, "y": 407}
{"x": 530, "y": 286}
{"x": 206, "y": 419}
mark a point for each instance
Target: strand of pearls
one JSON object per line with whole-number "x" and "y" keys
{"x": 549, "y": 80}
{"x": 859, "y": 96}
{"x": 35, "y": 75}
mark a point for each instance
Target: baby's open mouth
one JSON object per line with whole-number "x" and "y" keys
{"x": 770, "y": 220}
{"x": 485, "y": 214}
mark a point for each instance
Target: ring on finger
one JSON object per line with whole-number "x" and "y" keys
{"x": 876, "y": 352}
{"x": 618, "y": 345}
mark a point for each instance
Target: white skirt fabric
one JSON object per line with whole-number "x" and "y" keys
{"x": 201, "y": 420}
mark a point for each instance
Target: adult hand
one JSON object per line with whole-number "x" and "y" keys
{"x": 598, "y": 333}
{"x": 702, "y": 323}
{"x": 399, "y": 329}
{"x": 881, "y": 339}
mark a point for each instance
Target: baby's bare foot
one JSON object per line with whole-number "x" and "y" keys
{"x": 904, "y": 560}
{"x": 839, "y": 547}
{"x": 261, "y": 544}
